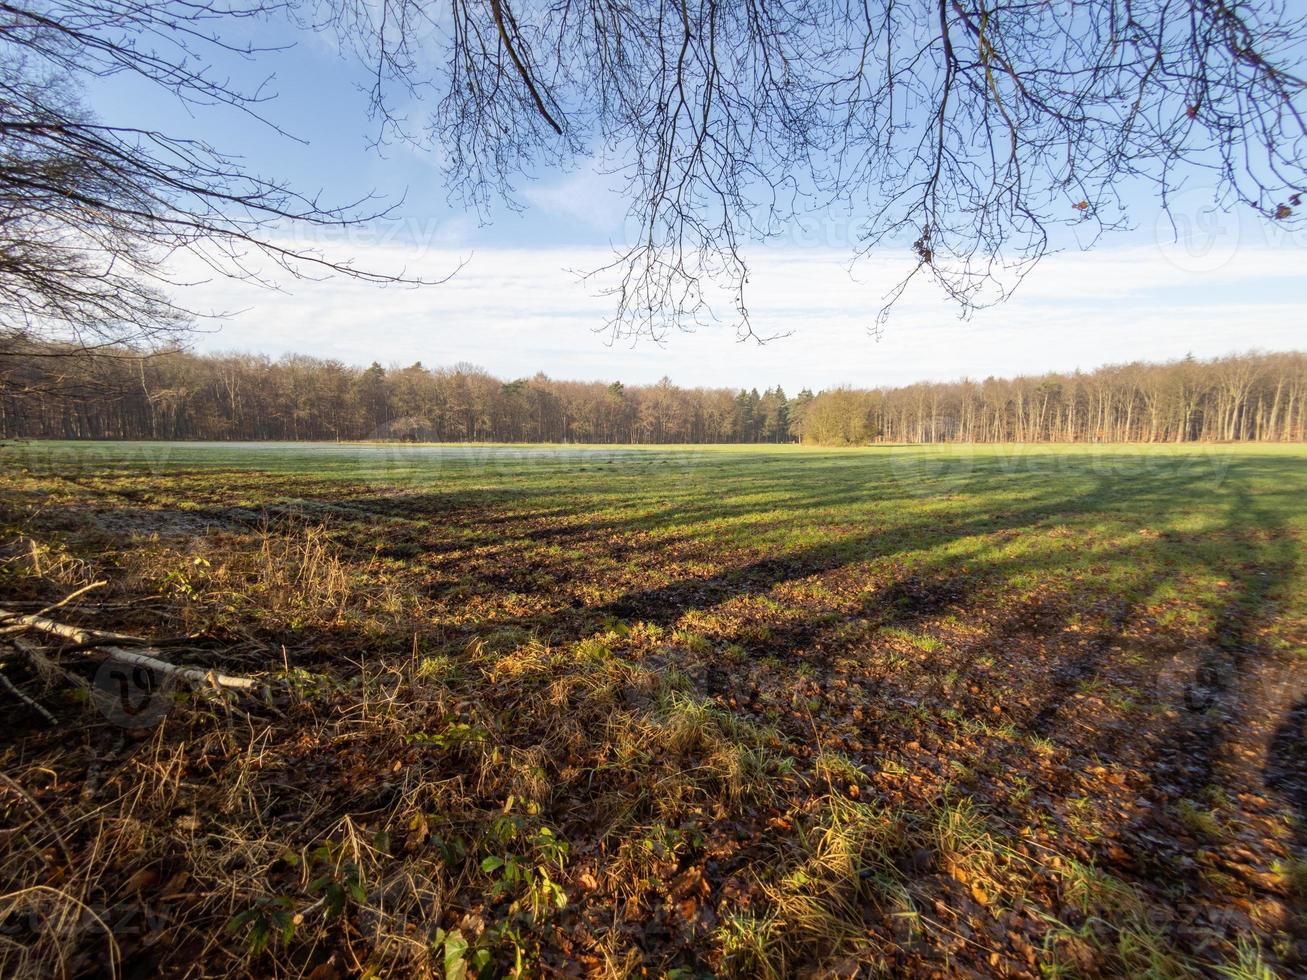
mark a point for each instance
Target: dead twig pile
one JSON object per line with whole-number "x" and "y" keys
{"x": 102, "y": 643}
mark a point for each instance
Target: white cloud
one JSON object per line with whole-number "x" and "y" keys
{"x": 518, "y": 311}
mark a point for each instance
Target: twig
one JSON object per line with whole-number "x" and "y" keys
{"x": 62, "y": 602}
{"x": 71, "y": 596}
{"x": 9, "y": 685}
{"x": 44, "y": 666}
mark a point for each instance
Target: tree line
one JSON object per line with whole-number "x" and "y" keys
{"x": 50, "y": 392}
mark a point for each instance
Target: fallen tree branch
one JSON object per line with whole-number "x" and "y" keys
{"x": 18, "y": 623}
{"x": 106, "y": 642}
{"x": 71, "y": 596}
{"x": 195, "y": 675}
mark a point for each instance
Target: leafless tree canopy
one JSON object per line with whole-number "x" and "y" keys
{"x": 962, "y": 132}
{"x": 91, "y": 213}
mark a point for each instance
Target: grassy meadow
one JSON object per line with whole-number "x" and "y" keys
{"x": 766, "y": 712}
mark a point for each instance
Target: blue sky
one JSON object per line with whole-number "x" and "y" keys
{"x": 1231, "y": 282}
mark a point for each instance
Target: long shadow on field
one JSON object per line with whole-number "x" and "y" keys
{"x": 1232, "y": 653}
{"x": 1286, "y": 766}
{"x": 1233, "y": 692}
{"x": 1220, "y": 691}
{"x": 1286, "y": 769}
{"x": 1286, "y": 772}
{"x": 505, "y": 520}
{"x": 441, "y": 526}
{"x": 934, "y": 531}
{"x": 804, "y": 488}
{"x": 1255, "y": 552}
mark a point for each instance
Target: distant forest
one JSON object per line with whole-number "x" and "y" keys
{"x": 47, "y": 392}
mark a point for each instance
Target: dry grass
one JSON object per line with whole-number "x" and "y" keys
{"x": 298, "y": 569}
{"x": 475, "y": 750}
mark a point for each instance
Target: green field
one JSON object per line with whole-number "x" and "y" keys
{"x": 766, "y": 711}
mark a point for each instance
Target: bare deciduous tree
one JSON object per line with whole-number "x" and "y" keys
{"x": 1255, "y": 396}
{"x": 963, "y": 131}
{"x": 90, "y": 213}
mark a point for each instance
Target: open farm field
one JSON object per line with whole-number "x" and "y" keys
{"x": 769, "y": 712}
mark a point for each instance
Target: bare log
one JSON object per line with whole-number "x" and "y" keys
{"x": 194, "y": 675}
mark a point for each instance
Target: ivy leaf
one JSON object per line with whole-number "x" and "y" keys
{"x": 455, "y": 956}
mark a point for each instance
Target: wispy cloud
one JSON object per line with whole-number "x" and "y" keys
{"x": 587, "y": 196}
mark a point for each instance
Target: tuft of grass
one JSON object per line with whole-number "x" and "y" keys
{"x": 846, "y": 858}
{"x": 922, "y": 642}
{"x": 1293, "y": 875}
{"x": 1120, "y": 936}
{"x": 436, "y": 668}
{"x": 297, "y": 568}
{"x": 1199, "y": 821}
{"x": 749, "y": 947}
{"x": 835, "y": 768}
{"x": 594, "y": 648}
{"x": 1246, "y": 962}
{"x": 962, "y": 837}
{"x": 692, "y": 642}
